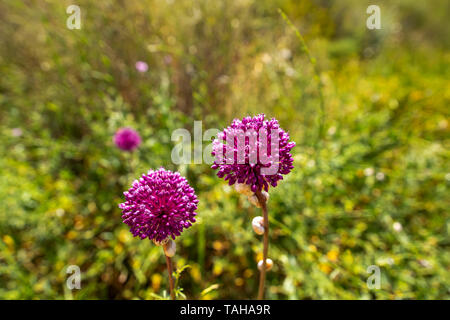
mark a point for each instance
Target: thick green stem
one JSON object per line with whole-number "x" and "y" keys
{"x": 262, "y": 275}
{"x": 170, "y": 270}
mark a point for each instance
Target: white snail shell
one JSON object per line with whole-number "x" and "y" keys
{"x": 269, "y": 264}
{"x": 265, "y": 195}
{"x": 254, "y": 201}
{"x": 258, "y": 225}
{"x": 244, "y": 189}
{"x": 170, "y": 248}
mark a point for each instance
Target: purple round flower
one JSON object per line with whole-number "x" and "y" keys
{"x": 159, "y": 205}
{"x": 127, "y": 139}
{"x": 16, "y": 132}
{"x": 253, "y": 151}
{"x": 141, "y": 66}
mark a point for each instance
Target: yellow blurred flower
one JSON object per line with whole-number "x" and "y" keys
{"x": 217, "y": 245}
{"x": 324, "y": 267}
{"x": 156, "y": 281}
{"x": 71, "y": 235}
{"x": 259, "y": 256}
{"x": 248, "y": 273}
{"x": 332, "y": 255}
{"x": 239, "y": 282}
{"x": 124, "y": 236}
{"x": 118, "y": 248}
{"x": 195, "y": 273}
{"x": 217, "y": 269}
{"x": 8, "y": 241}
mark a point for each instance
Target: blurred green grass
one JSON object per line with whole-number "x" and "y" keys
{"x": 383, "y": 158}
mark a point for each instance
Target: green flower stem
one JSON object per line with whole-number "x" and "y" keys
{"x": 262, "y": 275}
{"x": 170, "y": 271}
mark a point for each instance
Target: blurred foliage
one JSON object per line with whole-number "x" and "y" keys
{"x": 372, "y": 189}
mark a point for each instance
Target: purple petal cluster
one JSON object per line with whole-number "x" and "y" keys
{"x": 127, "y": 139}
{"x": 250, "y": 171}
{"x": 159, "y": 205}
{"x": 141, "y": 66}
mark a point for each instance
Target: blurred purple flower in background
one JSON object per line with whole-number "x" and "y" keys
{"x": 159, "y": 205}
{"x": 16, "y": 132}
{"x": 167, "y": 59}
{"x": 250, "y": 169}
{"x": 127, "y": 139}
{"x": 141, "y": 66}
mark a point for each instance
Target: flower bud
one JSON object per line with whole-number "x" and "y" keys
{"x": 254, "y": 201}
{"x": 258, "y": 225}
{"x": 269, "y": 264}
{"x": 244, "y": 189}
{"x": 169, "y": 248}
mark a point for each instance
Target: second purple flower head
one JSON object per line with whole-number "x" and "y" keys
{"x": 159, "y": 205}
{"x": 127, "y": 139}
{"x": 253, "y": 151}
